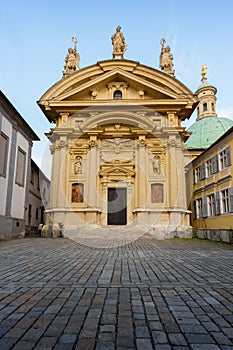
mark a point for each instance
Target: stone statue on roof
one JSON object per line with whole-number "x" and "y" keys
{"x": 119, "y": 44}
{"x": 72, "y": 60}
{"x": 203, "y": 73}
{"x": 166, "y": 59}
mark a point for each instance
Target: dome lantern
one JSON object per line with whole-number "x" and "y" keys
{"x": 206, "y": 94}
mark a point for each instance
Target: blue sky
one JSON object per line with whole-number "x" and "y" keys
{"x": 35, "y": 36}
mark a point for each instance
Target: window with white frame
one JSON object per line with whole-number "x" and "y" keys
{"x": 224, "y": 200}
{"x": 223, "y": 159}
{"x": 208, "y": 168}
{"x": 211, "y": 205}
{"x": 20, "y": 168}
{"x": 197, "y": 174}
{"x": 199, "y": 208}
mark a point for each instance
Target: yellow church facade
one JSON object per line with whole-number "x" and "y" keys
{"x": 118, "y": 152}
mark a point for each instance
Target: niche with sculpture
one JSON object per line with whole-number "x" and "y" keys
{"x": 78, "y": 165}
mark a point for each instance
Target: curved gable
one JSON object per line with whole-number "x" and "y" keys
{"x": 94, "y": 86}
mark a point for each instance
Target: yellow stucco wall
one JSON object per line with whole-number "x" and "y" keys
{"x": 212, "y": 184}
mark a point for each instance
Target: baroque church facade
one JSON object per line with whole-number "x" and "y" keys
{"x": 118, "y": 146}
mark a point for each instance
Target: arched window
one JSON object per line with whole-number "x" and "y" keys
{"x": 204, "y": 107}
{"x": 117, "y": 95}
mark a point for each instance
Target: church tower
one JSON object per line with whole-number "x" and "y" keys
{"x": 206, "y": 94}
{"x": 208, "y": 126}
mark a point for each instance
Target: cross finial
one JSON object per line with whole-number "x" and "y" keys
{"x": 75, "y": 40}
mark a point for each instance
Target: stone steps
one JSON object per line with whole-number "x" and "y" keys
{"x": 105, "y": 237}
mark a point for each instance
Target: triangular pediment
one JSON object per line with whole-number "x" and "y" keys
{"x": 102, "y": 87}
{"x": 95, "y": 86}
{"x": 117, "y": 170}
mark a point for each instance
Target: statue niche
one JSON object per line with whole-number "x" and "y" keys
{"x": 156, "y": 165}
{"x": 78, "y": 165}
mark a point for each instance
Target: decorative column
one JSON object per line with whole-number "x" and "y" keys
{"x": 181, "y": 200}
{"x": 142, "y": 185}
{"x": 91, "y": 175}
{"x": 173, "y": 190}
{"x": 61, "y": 172}
{"x": 55, "y": 165}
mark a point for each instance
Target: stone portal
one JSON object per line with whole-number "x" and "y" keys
{"x": 117, "y": 204}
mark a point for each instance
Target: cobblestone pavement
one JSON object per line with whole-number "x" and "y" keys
{"x": 148, "y": 294}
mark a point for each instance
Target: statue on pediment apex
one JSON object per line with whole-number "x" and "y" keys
{"x": 119, "y": 44}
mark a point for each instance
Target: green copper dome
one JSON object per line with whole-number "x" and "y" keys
{"x": 206, "y": 131}
{"x": 205, "y": 85}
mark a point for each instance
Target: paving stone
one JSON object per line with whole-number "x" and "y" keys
{"x": 177, "y": 339}
{"x": 113, "y": 293}
{"x": 106, "y": 337}
{"x": 220, "y": 338}
{"x": 144, "y": 344}
{"x": 159, "y": 337}
{"x": 199, "y": 338}
{"x": 25, "y": 345}
{"x": 7, "y": 343}
{"x": 206, "y": 347}
{"x": 64, "y": 346}
{"x": 47, "y": 342}
{"x": 107, "y": 328}
{"x": 163, "y": 347}
{"x": 86, "y": 344}
{"x": 105, "y": 346}
{"x": 142, "y": 332}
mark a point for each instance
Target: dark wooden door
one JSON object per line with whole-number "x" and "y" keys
{"x": 117, "y": 206}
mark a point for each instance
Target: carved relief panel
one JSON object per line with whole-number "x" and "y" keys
{"x": 117, "y": 148}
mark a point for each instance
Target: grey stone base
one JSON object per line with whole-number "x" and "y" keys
{"x": 165, "y": 232}
{"x": 11, "y": 228}
{"x": 218, "y": 235}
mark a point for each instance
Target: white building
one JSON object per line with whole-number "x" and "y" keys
{"x": 16, "y": 138}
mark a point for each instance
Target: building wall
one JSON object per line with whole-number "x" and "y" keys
{"x": 14, "y": 165}
{"x": 211, "y": 186}
{"x": 6, "y": 129}
{"x": 39, "y": 189}
{"x": 19, "y": 191}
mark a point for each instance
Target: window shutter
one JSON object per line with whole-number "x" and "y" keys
{"x": 204, "y": 207}
{"x": 194, "y": 178}
{"x": 214, "y": 206}
{"x": 194, "y": 210}
{"x": 214, "y": 162}
{"x": 202, "y": 171}
{"x": 228, "y": 156}
{"x": 230, "y": 191}
{"x": 213, "y": 165}
{"x": 217, "y": 202}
